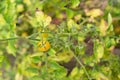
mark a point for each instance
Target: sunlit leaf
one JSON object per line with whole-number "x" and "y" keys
{"x": 52, "y": 52}
{"x": 47, "y": 21}
{"x": 103, "y": 27}
{"x": 70, "y": 13}
{"x": 11, "y": 45}
{"x": 43, "y": 19}
{"x": 72, "y": 25}
{"x": 94, "y": 13}
{"x": 18, "y": 76}
{"x": 20, "y": 8}
{"x": 67, "y": 56}
{"x": 2, "y": 21}
{"x": 27, "y": 2}
{"x": 75, "y": 3}
{"x": 39, "y": 15}
{"x": 10, "y": 14}
{"x": 74, "y": 72}
{"x": 109, "y": 19}
{"x": 98, "y": 50}
{"x": 99, "y": 75}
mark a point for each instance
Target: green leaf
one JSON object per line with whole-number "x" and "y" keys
{"x": 36, "y": 78}
{"x": 71, "y": 24}
{"x": 0, "y": 73}
{"x": 1, "y": 58}
{"x": 51, "y": 52}
{"x": 32, "y": 70}
{"x": 11, "y": 48}
{"x": 36, "y": 59}
{"x": 59, "y": 70}
{"x": 61, "y": 73}
{"x": 110, "y": 28}
{"x": 75, "y": 3}
{"x": 10, "y": 11}
{"x": 2, "y": 21}
{"x": 109, "y": 42}
{"x": 11, "y": 44}
{"x": 54, "y": 65}
{"x": 109, "y": 19}
{"x": 74, "y": 72}
{"x": 98, "y": 50}
{"x": 64, "y": 56}
{"x": 69, "y": 13}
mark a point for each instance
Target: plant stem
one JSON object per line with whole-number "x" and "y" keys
{"x": 19, "y": 38}
{"x": 46, "y": 64}
{"x": 82, "y": 66}
{"x": 34, "y": 39}
{"x": 9, "y": 39}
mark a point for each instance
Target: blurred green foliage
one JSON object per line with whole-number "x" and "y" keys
{"x": 82, "y": 35}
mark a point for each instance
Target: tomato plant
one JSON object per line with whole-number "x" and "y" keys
{"x": 59, "y": 40}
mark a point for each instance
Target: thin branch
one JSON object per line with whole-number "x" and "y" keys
{"x": 34, "y": 39}
{"x": 82, "y": 66}
{"x": 9, "y": 39}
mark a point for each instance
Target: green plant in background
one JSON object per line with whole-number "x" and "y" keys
{"x": 57, "y": 40}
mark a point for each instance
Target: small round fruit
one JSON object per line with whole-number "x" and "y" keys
{"x": 43, "y": 45}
